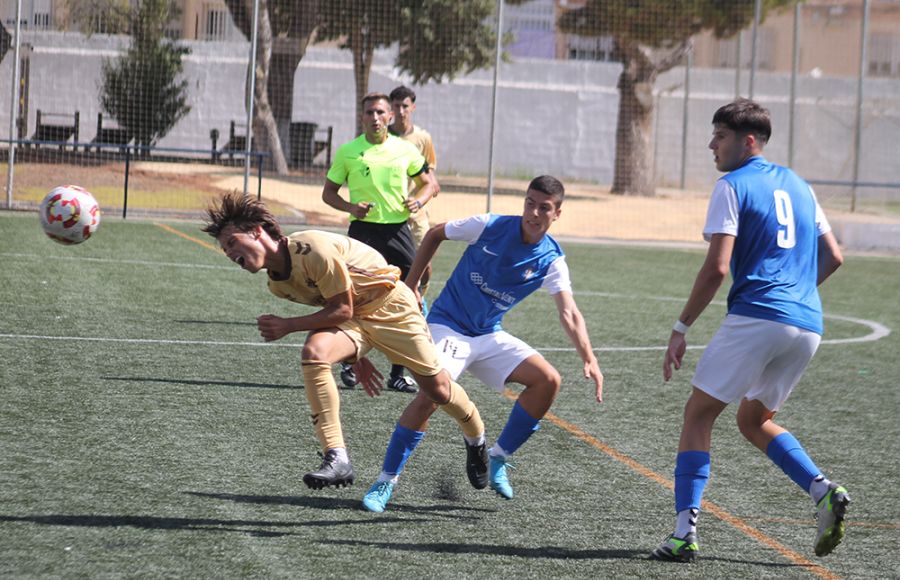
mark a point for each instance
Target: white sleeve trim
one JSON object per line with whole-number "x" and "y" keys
{"x": 467, "y": 229}
{"x": 723, "y": 211}
{"x": 822, "y": 225}
{"x": 557, "y": 279}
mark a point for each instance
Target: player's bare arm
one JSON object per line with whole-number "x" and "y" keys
{"x": 424, "y": 255}
{"x": 830, "y": 257}
{"x": 710, "y": 277}
{"x": 339, "y": 309}
{"x": 426, "y": 187}
{"x": 572, "y": 321}
{"x": 331, "y": 197}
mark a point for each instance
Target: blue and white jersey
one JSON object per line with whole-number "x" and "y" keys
{"x": 496, "y": 272}
{"x": 777, "y": 223}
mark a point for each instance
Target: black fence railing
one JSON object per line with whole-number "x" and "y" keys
{"x": 29, "y": 150}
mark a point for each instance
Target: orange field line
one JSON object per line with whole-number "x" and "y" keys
{"x": 203, "y": 243}
{"x": 708, "y": 506}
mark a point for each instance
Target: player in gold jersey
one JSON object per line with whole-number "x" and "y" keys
{"x": 363, "y": 305}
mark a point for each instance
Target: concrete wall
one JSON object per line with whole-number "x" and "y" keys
{"x": 554, "y": 117}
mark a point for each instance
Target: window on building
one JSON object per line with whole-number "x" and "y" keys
{"x": 216, "y": 18}
{"x": 41, "y": 14}
{"x": 725, "y": 51}
{"x": 884, "y": 55}
{"x": 591, "y": 48}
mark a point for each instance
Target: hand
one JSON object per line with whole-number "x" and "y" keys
{"x": 592, "y": 372}
{"x": 361, "y": 209}
{"x": 368, "y": 376}
{"x": 272, "y": 327}
{"x": 674, "y": 354}
{"x": 413, "y": 204}
{"x": 418, "y": 296}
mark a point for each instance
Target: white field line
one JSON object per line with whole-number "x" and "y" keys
{"x": 877, "y": 330}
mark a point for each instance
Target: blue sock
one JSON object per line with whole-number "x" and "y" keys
{"x": 518, "y": 429}
{"x": 787, "y": 453}
{"x": 691, "y": 475}
{"x": 403, "y": 442}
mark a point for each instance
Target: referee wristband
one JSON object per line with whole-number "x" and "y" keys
{"x": 680, "y": 327}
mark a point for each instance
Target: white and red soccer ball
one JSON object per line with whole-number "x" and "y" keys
{"x": 69, "y": 214}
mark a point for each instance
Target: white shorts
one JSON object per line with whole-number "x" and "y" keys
{"x": 491, "y": 358}
{"x": 755, "y": 359}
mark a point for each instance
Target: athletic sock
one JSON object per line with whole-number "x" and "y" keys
{"x": 475, "y": 441}
{"x": 819, "y": 487}
{"x": 396, "y": 371}
{"x": 324, "y": 403}
{"x": 340, "y": 453}
{"x": 403, "y": 443}
{"x": 691, "y": 475}
{"x": 461, "y": 408}
{"x": 519, "y": 427}
{"x": 787, "y": 453}
{"x": 686, "y": 522}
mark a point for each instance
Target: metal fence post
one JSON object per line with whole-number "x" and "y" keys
{"x": 14, "y": 108}
{"x": 857, "y": 133}
{"x": 490, "y": 194}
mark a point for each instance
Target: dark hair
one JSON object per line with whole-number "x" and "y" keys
{"x": 745, "y": 117}
{"x": 403, "y": 92}
{"x": 243, "y": 212}
{"x": 375, "y": 97}
{"x": 549, "y": 185}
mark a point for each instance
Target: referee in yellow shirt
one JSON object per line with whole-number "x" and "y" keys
{"x": 377, "y": 167}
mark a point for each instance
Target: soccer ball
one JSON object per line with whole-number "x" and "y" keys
{"x": 69, "y": 214}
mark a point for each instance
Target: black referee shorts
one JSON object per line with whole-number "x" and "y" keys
{"x": 393, "y": 241}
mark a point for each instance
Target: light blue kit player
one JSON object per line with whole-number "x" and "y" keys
{"x": 508, "y": 258}
{"x": 765, "y": 223}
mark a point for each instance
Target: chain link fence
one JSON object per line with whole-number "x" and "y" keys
{"x": 168, "y": 103}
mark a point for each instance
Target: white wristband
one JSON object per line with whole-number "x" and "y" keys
{"x": 681, "y": 327}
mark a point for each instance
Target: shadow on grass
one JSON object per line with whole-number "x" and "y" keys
{"x": 554, "y": 552}
{"x": 255, "y": 528}
{"x": 219, "y": 322}
{"x": 454, "y": 511}
{"x": 544, "y": 552}
{"x": 241, "y": 384}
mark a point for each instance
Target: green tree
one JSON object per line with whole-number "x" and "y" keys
{"x": 5, "y": 41}
{"x": 650, "y": 37}
{"x": 437, "y": 39}
{"x": 141, "y": 89}
{"x": 283, "y": 34}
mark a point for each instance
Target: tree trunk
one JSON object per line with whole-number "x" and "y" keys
{"x": 363, "y": 49}
{"x": 286, "y": 54}
{"x": 265, "y": 130}
{"x": 633, "y": 172}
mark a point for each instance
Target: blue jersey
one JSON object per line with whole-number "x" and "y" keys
{"x": 775, "y": 260}
{"x": 494, "y": 274}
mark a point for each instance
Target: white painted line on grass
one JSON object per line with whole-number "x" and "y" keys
{"x": 878, "y": 331}
{"x": 118, "y": 261}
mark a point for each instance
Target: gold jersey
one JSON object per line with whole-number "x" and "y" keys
{"x": 320, "y": 265}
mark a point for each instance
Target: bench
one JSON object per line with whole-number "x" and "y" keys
{"x": 308, "y": 140}
{"x": 56, "y": 132}
{"x": 110, "y": 136}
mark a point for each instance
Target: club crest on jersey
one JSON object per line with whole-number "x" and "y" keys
{"x": 528, "y": 274}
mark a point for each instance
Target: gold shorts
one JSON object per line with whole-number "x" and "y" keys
{"x": 399, "y": 331}
{"x": 418, "y": 224}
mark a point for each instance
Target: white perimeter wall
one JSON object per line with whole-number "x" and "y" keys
{"x": 556, "y": 117}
